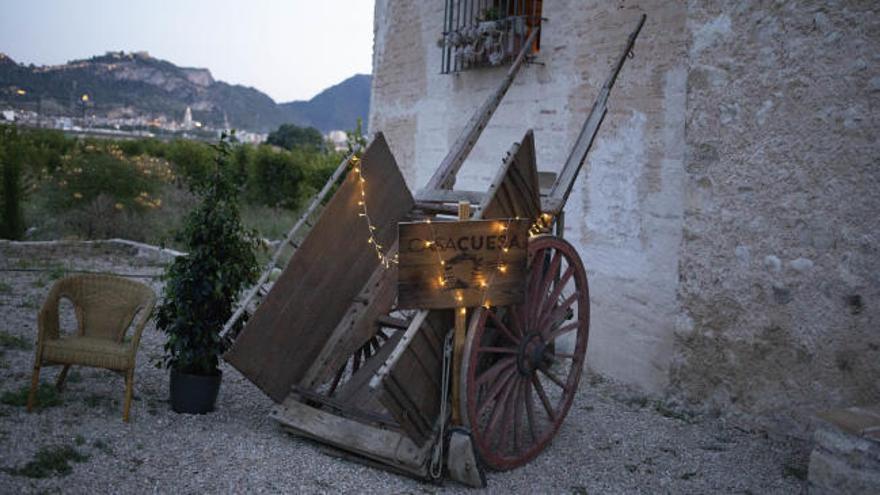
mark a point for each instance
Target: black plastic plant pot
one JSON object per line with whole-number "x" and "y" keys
{"x": 194, "y": 394}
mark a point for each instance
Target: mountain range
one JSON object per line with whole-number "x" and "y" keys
{"x": 130, "y": 85}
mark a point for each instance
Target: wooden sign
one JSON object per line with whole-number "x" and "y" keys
{"x": 462, "y": 264}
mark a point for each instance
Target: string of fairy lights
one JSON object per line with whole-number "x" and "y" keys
{"x": 385, "y": 259}
{"x": 540, "y": 225}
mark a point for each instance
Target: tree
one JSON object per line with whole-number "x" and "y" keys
{"x": 290, "y": 136}
{"x": 202, "y": 286}
{"x": 12, "y": 189}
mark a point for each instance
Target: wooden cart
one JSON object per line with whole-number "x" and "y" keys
{"x": 348, "y": 369}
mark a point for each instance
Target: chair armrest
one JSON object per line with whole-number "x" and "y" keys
{"x": 139, "y": 326}
{"x": 47, "y": 319}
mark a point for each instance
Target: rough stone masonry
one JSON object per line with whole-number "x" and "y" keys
{"x": 729, "y": 211}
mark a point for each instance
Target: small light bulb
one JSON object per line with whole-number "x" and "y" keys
{"x": 502, "y": 268}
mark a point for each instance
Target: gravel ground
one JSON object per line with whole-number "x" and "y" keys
{"x": 614, "y": 440}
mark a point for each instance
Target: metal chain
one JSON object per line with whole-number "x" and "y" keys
{"x": 437, "y": 456}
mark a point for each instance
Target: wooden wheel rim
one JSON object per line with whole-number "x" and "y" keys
{"x": 510, "y": 382}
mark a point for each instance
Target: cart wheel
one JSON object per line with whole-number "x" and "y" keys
{"x": 522, "y": 363}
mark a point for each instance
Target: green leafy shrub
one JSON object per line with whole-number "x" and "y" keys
{"x": 47, "y": 397}
{"x": 276, "y": 178}
{"x": 202, "y": 286}
{"x": 98, "y": 192}
{"x": 50, "y": 461}
{"x": 16, "y": 342}
{"x": 193, "y": 160}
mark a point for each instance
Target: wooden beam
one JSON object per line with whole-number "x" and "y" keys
{"x": 449, "y": 196}
{"x": 385, "y": 446}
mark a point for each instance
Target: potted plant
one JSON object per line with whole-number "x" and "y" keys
{"x": 202, "y": 286}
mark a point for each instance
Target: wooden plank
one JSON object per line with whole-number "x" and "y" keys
{"x": 355, "y": 391}
{"x": 329, "y": 404}
{"x": 382, "y": 445}
{"x": 375, "y": 299}
{"x": 447, "y": 196}
{"x": 515, "y": 190}
{"x": 318, "y": 286}
{"x": 462, "y": 264}
{"x": 546, "y": 180}
{"x": 386, "y": 321}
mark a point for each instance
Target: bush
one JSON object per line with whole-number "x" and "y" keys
{"x": 98, "y": 192}
{"x": 290, "y": 137}
{"x": 193, "y": 160}
{"x": 276, "y": 178}
{"x": 202, "y": 286}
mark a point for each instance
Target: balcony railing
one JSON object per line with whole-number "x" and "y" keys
{"x": 486, "y": 33}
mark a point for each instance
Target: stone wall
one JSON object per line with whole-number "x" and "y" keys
{"x": 727, "y": 213}
{"x": 780, "y": 270}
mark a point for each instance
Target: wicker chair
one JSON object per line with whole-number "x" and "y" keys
{"x": 105, "y": 307}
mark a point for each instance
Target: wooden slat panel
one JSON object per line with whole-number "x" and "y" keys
{"x": 410, "y": 380}
{"x": 515, "y": 191}
{"x": 319, "y": 284}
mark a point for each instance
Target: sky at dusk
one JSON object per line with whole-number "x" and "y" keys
{"x": 289, "y": 49}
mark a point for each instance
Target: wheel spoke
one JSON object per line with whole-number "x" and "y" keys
{"x": 564, "y": 329}
{"x": 495, "y": 390}
{"x": 557, "y": 289}
{"x": 534, "y": 275}
{"x": 502, "y": 327}
{"x": 499, "y": 412}
{"x": 493, "y": 372}
{"x": 530, "y": 409}
{"x": 517, "y": 413}
{"x": 544, "y": 400}
{"x": 557, "y": 312}
{"x": 555, "y": 379}
{"x": 548, "y": 276}
{"x": 497, "y": 350}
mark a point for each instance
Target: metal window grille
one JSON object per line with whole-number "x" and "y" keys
{"x": 486, "y": 33}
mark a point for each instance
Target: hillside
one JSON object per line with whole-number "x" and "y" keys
{"x": 129, "y": 85}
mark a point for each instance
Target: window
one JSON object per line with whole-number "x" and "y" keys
{"x": 487, "y": 33}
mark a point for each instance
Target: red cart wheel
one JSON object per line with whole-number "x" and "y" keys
{"x": 522, "y": 363}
